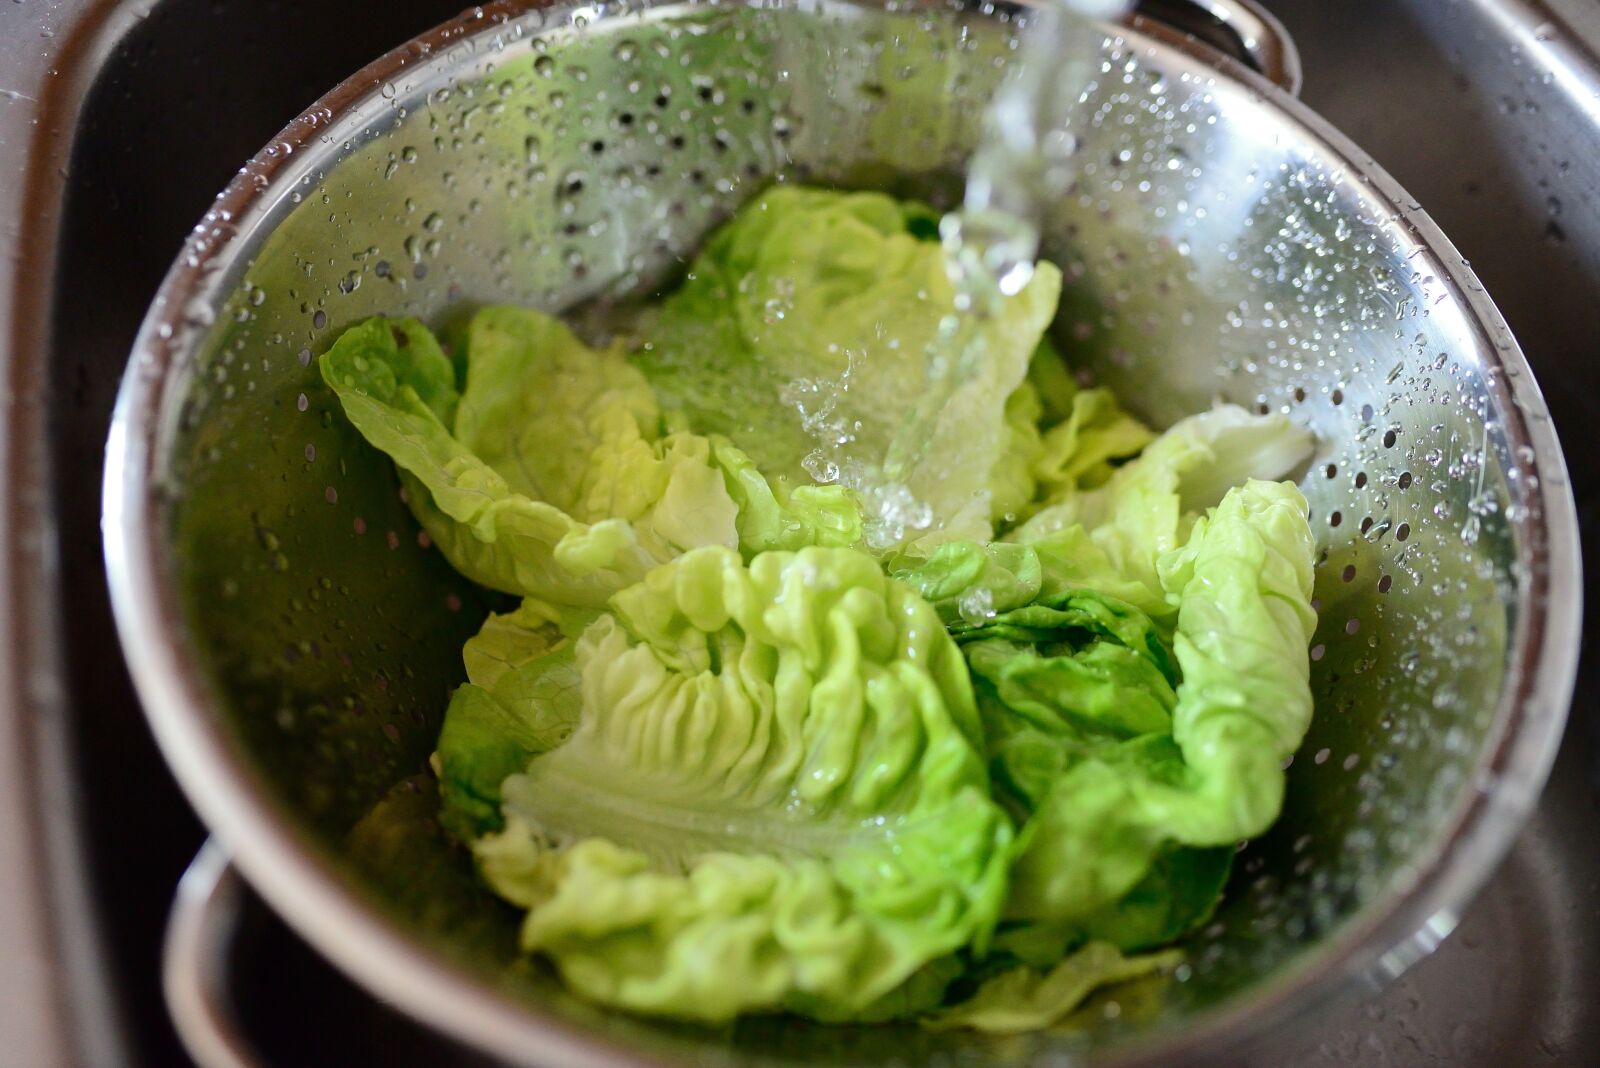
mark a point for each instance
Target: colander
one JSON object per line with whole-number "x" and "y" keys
{"x": 294, "y": 636}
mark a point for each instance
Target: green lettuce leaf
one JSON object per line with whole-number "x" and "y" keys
{"x": 1025, "y": 999}
{"x": 1054, "y": 669}
{"x": 522, "y": 698}
{"x": 548, "y": 475}
{"x": 1012, "y": 482}
{"x": 1177, "y": 894}
{"x": 508, "y": 640}
{"x": 1079, "y": 672}
{"x": 922, "y": 993}
{"x": 491, "y": 520}
{"x": 802, "y": 333}
{"x": 829, "y": 516}
{"x": 1076, "y": 692}
{"x": 968, "y": 582}
{"x": 773, "y": 799}
{"x": 1243, "y": 586}
{"x": 1062, "y": 677}
{"x": 537, "y": 405}
{"x": 1109, "y": 538}
{"x": 1083, "y": 432}
{"x": 1058, "y": 438}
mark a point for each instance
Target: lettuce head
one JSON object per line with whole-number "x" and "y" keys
{"x": 730, "y": 748}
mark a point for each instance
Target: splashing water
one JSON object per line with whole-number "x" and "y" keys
{"x": 1022, "y": 164}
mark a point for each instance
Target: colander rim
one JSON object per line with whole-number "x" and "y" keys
{"x": 300, "y": 880}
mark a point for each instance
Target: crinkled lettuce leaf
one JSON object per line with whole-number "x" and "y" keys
{"x": 521, "y": 699}
{"x": 774, "y": 797}
{"x": 507, "y": 640}
{"x": 537, "y": 405}
{"x": 1062, "y": 677}
{"x": 1058, "y": 438}
{"x": 1129, "y": 746}
{"x": 548, "y": 475}
{"x": 1012, "y": 483}
{"x": 971, "y": 582}
{"x": 1103, "y": 527}
{"x": 568, "y": 439}
{"x": 1080, "y": 669}
{"x": 1083, "y": 432}
{"x": 1026, "y": 999}
{"x": 1242, "y": 583}
{"x": 1076, "y": 693}
{"x": 801, "y": 334}
{"x": 1177, "y": 894}
{"x": 1110, "y": 537}
{"x": 786, "y": 517}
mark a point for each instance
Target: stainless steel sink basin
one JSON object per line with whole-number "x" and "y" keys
{"x": 118, "y": 121}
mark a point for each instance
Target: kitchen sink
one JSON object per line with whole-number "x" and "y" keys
{"x": 120, "y": 121}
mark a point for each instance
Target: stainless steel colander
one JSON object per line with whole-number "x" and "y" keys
{"x": 295, "y": 637}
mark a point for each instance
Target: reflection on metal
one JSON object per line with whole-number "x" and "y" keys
{"x": 1242, "y": 28}
{"x": 194, "y": 975}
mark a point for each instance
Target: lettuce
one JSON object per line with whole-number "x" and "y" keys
{"x": 1083, "y": 432}
{"x": 1126, "y": 746}
{"x": 1110, "y": 537}
{"x": 736, "y": 749}
{"x": 1177, "y": 894}
{"x": 773, "y": 797}
{"x": 801, "y": 334}
{"x": 1024, "y": 999}
{"x": 521, "y": 698}
{"x": 802, "y": 516}
{"x": 971, "y": 582}
{"x": 1083, "y": 670}
{"x": 572, "y": 496}
{"x": 548, "y": 475}
{"x": 1242, "y": 584}
{"x": 1012, "y": 483}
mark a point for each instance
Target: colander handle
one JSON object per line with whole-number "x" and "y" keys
{"x": 194, "y": 965}
{"x": 1251, "y": 32}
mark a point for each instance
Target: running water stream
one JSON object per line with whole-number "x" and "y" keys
{"x": 1023, "y": 162}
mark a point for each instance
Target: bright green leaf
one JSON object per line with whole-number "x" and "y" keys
{"x": 773, "y": 797}
{"x": 1025, "y": 999}
{"x": 804, "y": 328}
